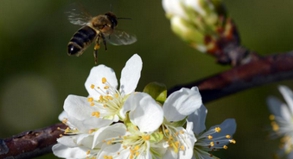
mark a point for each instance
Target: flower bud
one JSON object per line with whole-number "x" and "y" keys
{"x": 203, "y": 24}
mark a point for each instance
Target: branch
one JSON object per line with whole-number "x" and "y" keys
{"x": 262, "y": 71}
{"x": 31, "y": 143}
{"x": 265, "y": 70}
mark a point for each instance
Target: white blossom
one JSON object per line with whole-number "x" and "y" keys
{"x": 281, "y": 121}
{"x": 217, "y": 137}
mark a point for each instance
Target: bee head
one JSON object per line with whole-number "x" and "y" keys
{"x": 112, "y": 17}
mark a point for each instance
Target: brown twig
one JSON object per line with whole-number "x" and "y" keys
{"x": 265, "y": 70}
{"x": 31, "y": 143}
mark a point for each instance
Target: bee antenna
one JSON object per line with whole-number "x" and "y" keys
{"x": 124, "y": 18}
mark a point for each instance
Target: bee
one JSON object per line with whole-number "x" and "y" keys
{"x": 100, "y": 28}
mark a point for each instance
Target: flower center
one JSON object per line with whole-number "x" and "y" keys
{"x": 109, "y": 102}
{"x": 176, "y": 138}
{"x": 136, "y": 143}
{"x": 212, "y": 141}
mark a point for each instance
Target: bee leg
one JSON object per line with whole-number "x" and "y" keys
{"x": 96, "y": 56}
{"x": 104, "y": 40}
{"x": 96, "y": 48}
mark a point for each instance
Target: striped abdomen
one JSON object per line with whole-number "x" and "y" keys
{"x": 81, "y": 40}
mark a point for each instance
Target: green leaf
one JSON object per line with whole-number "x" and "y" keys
{"x": 157, "y": 90}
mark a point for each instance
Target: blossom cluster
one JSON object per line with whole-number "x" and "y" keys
{"x": 121, "y": 123}
{"x": 281, "y": 121}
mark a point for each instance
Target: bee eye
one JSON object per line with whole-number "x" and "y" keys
{"x": 113, "y": 19}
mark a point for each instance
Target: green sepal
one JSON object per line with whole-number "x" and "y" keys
{"x": 156, "y": 90}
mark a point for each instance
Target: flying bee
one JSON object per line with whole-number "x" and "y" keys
{"x": 100, "y": 28}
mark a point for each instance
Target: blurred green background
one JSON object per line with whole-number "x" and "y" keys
{"x": 37, "y": 74}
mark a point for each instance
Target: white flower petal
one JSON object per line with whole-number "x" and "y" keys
{"x": 285, "y": 113}
{"x": 63, "y": 116}
{"x": 79, "y": 114}
{"x": 129, "y": 103}
{"x": 148, "y": 115}
{"x": 189, "y": 140}
{"x": 174, "y": 8}
{"x": 288, "y": 96}
{"x": 78, "y": 107}
{"x": 86, "y": 140}
{"x": 228, "y": 127}
{"x": 274, "y": 105}
{"x": 62, "y": 151}
{"x": 69, "y": 141}
{"x": 170, "y": 154}
{"x": 278, "y": 109}
{"x": 95, "y": 78}
{"x": 195, "y": 4}
{"x": 130, "y": 74}
{"x": 112, "y": 150}
{"x": 198, "y": 118}
{"x": 181, "y": 104}
{"x": 107, "y": 133}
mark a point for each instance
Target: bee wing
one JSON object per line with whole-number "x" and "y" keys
{"x": 77, "y": 15}
{"x": 119, "y": 37}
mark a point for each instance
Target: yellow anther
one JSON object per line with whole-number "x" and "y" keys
{"x": 232, "y": 141}
{"x": 275, "y": 126}
{"x": 176, "y": 133}
{"x": 88, "y": 152}
{"x": 210, "y": 137}
{"x": 104, "y": 80}
{"x": 91, "y": 131}
{"x": 92, "y": 104}
{"x": 90, "y": 99}
{"x": 101, "y": 98}
{"x": 67, "y": 130}
{"x": 225, "y": 147}
{"x": 272, "y": 117}
{"x": 177, "y": 143}
{"x": 146, "y": 137}
{"x": 136, "y": 148}
{"x": 96, "y": 114}
{"x": 217, "y": 129}
{"x": 92, "y": 86}
{"x": 106, "y": 87}
{"x": 109, "y": 142}
{"x": 228, "y": 136}
{"x": 109, "y": 97}
{"x": 182, "y": 147}
{"x": 64, "y": 121}
{"x": 286, "y": 139}
{"x": 212, "y": 144}
{"x": 108, "y": 157}
{"x": 181, "y": 132}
